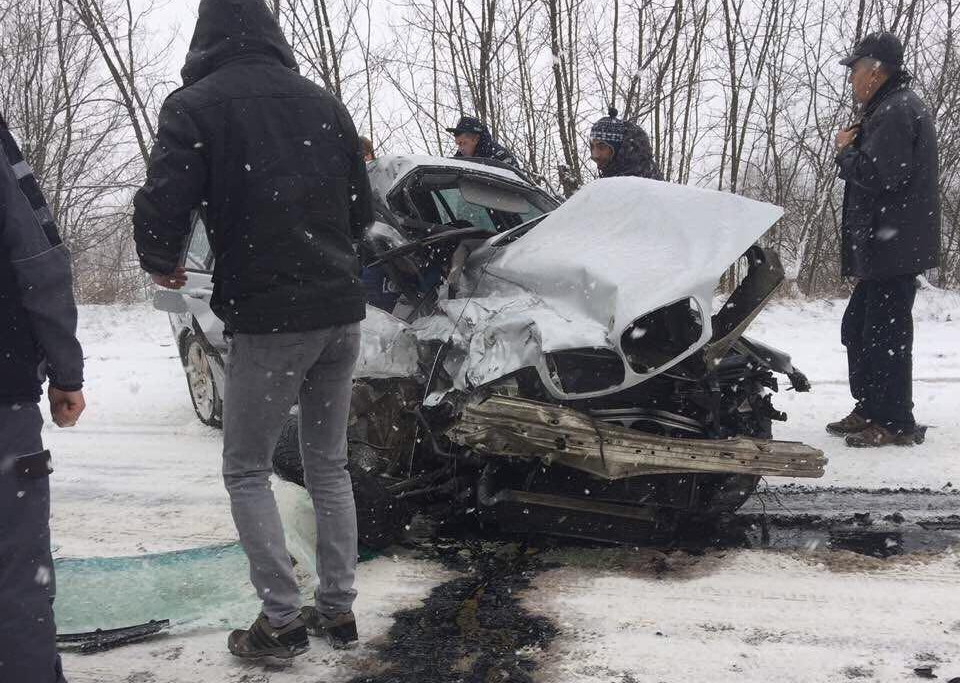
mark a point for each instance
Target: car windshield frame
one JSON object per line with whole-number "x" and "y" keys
{"x": 402, "y": 202}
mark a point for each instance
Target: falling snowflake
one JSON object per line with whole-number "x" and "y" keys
{"x": 43, "y": 576}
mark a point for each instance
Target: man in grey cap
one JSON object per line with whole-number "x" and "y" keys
{"x": 473, "y": 139}
{"x": 890, "y": 234}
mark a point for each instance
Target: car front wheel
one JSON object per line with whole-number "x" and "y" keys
{"x": 207, "y": 401}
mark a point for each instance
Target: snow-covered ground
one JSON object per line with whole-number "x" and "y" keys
{"x": 141, "y": 475}
{"x": 810, "y": 332}
{"x": 753, "y": 616}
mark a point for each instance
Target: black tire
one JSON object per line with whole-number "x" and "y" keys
{"x": 381, "y": 517}
{"x": 287, "y": 463}
{"x": 724, "y": 494}
{"x": 197, "y": 357}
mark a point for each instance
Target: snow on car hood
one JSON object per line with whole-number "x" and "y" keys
{"x": 620, "y": 248}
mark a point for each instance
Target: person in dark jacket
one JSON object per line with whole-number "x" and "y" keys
{"x": 37, "y": 342}
{"x": 621, "y": 148}
{"x": 473, "y": 139}
{"x": 273, "y": 162}
{"x": 890, "y": 234}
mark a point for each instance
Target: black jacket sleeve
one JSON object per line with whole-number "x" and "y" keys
{"x": 176, "y": 184}
{"x": 361, "y": 196}
{"x": 41, "y": 264}
{"x": 882, "y": 161}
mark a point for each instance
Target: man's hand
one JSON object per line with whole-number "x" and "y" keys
{"x": 175, "y": 280}
{"x": 66, "y": 406}
{"x": 846, "y": 137}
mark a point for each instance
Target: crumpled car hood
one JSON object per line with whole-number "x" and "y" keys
{"x": 620, "y": 248}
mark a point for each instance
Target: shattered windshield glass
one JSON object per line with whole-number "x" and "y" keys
{"x": 200, "y": 586}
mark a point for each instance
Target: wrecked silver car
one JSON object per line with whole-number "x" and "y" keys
{"x": 547, "y": 367}
{"x": 562, "y": 369}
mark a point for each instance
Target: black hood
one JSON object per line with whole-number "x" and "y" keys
{"x": 228, "y": 29}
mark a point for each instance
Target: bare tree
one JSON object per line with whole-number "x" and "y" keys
{"x": 742, "y": 95}
{"x": 59, "y": 106}
{"x": 117, "y": 30}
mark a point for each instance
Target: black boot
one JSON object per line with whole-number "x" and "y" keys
{"x": 340, "y": 629}
{"x": 263, "y": 640}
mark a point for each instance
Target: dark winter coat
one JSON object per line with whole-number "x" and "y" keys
{"x": 488, "y": 149}
{"x": 274, "y": 161}
{"x": 635, "y": 156}
{"x": 891, "y": 204}
{"x": 38, "y": 318}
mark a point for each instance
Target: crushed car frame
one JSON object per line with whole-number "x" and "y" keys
{"x": 558, "y": 368}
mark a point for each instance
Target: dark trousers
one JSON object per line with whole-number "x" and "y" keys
{"x": 878, "y": 333}
{"x": 28, "y": 651}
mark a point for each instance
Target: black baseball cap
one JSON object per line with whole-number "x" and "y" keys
{"x": 882, "y": 46}
{"x": 468, "y": 124}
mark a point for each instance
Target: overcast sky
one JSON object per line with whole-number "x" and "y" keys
{"x": 174, "y": 19}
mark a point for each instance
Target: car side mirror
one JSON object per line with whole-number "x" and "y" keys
{"x": 169, "y": 301}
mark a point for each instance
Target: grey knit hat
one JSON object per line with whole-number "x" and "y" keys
{"x": 609, "y": 130}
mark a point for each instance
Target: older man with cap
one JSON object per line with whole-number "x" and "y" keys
{"x": 622, "y": 148}
{"x": 473, "y": 139}
{"x": 890, "y": 234}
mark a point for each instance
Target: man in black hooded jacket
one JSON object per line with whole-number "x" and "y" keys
{"x": 890, "y": 234}
{"x": 273, "y": 163}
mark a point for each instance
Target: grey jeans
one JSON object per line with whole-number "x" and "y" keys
{"x": 28, "y": 650}
{"x": 266, "y": 374}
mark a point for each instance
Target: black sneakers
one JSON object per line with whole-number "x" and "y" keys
{"x": 340, "y": 630}
{"x": 263, "y": 640}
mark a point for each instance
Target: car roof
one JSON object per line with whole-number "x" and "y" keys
{"x": 387, "y": 171}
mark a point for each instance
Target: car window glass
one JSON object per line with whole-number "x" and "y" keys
{"x": 198, "y": 253}
{"x": 534, "y": 212}
{"x": 450, "y": 202}
{"x": 493, "y": 197}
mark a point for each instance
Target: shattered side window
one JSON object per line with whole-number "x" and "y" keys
{"x": 199, "y": 254}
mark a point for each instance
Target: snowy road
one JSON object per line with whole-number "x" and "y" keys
{"x": 141, "y": 475}
{"x": 810, "y": 331}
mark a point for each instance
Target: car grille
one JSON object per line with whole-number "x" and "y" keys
{"x": 583, "y": 371}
